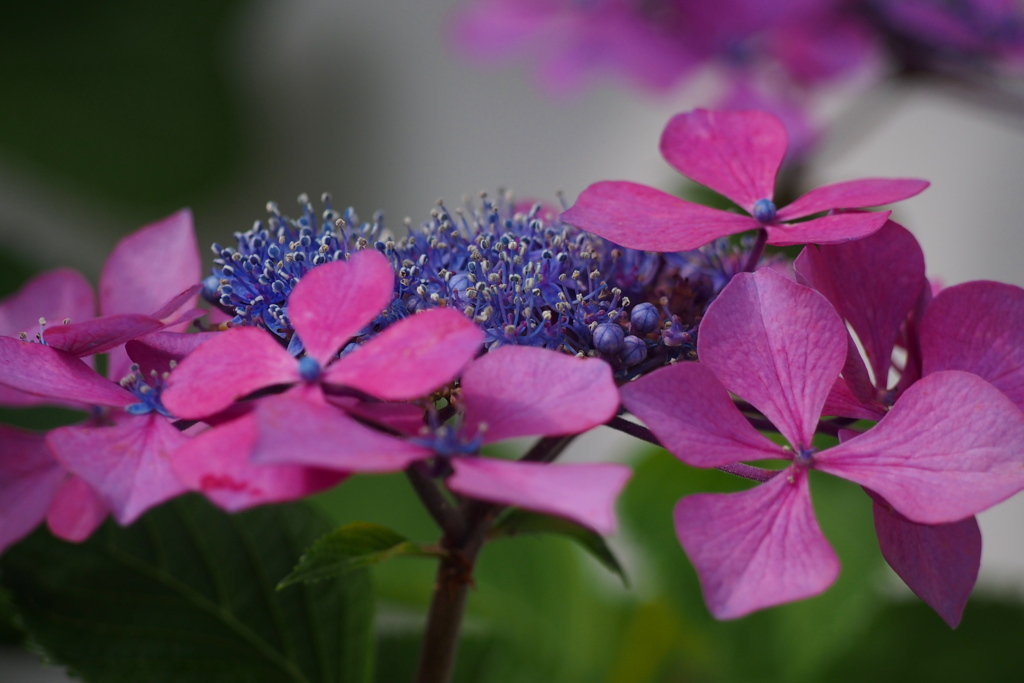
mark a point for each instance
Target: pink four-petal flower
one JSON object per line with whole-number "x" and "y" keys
{"x": 737, "y": 154}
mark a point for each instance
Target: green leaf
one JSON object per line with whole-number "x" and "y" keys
{"x": 523, "y": 522}
{"x": 187, "y": 594}
{"x": 351, "y": 547}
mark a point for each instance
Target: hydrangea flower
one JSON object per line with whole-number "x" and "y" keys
{"x": 738, "y": 154}
{"x": 950, "y": 447}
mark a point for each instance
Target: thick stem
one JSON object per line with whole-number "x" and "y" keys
{"x": 443, "y": 512}
{"x": 755, "y": 253}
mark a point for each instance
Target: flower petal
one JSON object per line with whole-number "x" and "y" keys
{"x": 29, "y": 479}
{"x": 978, "y": 327}
{"x": 43, "y": 371}
{"x": 776, "y": 344}
{"x": 938, "y": 562}
{"x": 76, "y": 511}
{"x": 216, "y": 463}
{"x": 853, "y": 194}
{"x": 151, "y": 266}
{"x": 100, "y": 334}
{"x": 128, "y": 464}
{"x": 693, "y": 417}
{"x": 528, "y": 391}
{"x": 300, "y": 428}
{"x": 641, "y": 217}
{"x": 222, "y": 370}
{"x": 831, "y": 229}
{"x": 757, "y": 548}
{"x": 336, "y": 300}
{"x": 873, "y": 283}
{"x": 55, "y": 295}
{"x": 158, "y": 350}
{"x": 735, "y": 153}
{"x": 952, "y": 446}
{"x": 582, "y": 492}
{"x": 411, "y": 358}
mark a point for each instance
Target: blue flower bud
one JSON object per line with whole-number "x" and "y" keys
{"x": 608, "y": 338}
{"x": 764, "y": 210}
{"x": 634, "y": 351}
{"x": 644, "y": 318}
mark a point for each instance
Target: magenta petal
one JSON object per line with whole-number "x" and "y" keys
{"x": 584, "y": 493}
{"x": 55, "y": 295}
{"x": 978, "y": 327}
{"x": 335, "y": 301}
{"x": 842, "y": 402}
{"x": 76, "y": 511}
{"x": 43, "y": 371}
{"x": 151, "y": 266}
{"x": 216, "y": 463}
{"x": 527, "y": 391}
{"x": 411, "y": 358}
{"x": 300, "y": 428}
{"x": 229, "y": 366}
{"x": 831, "y": 229}
{"x": 100, "y": 334}
{"x": 776, "y": 344}
{"x": 853, "y": 194}
{"x": 29, "y": 478}
{"x": 693, "y": 417}
{"x": 735, "y": 153}
{"x": 158, "y": 350}
{"x": 757, "y": 548}
{"x": 938, "y": 562}
{"x": 128, "y": 464}
{"x": 404, "y": 418}
{"x": 641, "y": 217}
{"x": 952, "y": 446}
{"x": 873, "y": 283}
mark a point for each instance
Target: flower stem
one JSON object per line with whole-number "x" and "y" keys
{"x": 755, "y": 253}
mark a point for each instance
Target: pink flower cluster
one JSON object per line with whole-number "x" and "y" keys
{"x": 929, "y": 416}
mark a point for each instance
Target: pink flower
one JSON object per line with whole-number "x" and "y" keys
{"x": 735, "y": 153}
{"x": 952, "y": 445}
{"x": 307, "y": 430}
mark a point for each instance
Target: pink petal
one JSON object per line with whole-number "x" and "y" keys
{"x": 938, "y": 562}
{"x": 873, "y": 283}
{"x": 693, "y": 417}
{"x": 831, "y": 229}
{"x": 978, "y": 327}
{"x": 76, "y": 511}
{"x": 300, "y": 428}
{"x": 853, "y": 194}
{"x": 842, "y": 402}
{"x": 180, "y": 306}
{"x": 335, "y": 301}
{"x": 100, "y": 334}
{"x": 757, "y": 548}
{"x": 48, "y": 372}
{"x": 222, "y": 370}
{"x": 151, "y": 266}
{"x": 410, "y": 359}
{"x": 127, "y": 464}
{"x": 216, "y": 463}
{"x": 29, "y": 479}
{"x": 583, "y": 493}
{"x": 156, "y": 351}
{"x": 776, "y": 344}
{"x": 404, "y": 418}
{"x": 641, "y": 217}
{"x": 54, "y": 295}
{"x": 735, "y": 153}
{"x": 527, "y": 391}
{"x": 952, "y": 446}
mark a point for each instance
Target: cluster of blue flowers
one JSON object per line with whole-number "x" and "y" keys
{"x": 523, "y": 276}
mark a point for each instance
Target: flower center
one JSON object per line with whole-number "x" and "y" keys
{"x": 147, "y": 393}
{"x": 764, "y": 210}
{"x": 804, "y": 456}
{"x": 309, "y": 369}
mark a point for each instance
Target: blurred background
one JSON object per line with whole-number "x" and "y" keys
{"x": 115, "y": 114}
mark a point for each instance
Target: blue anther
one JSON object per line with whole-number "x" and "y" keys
{"x": 634, "y": 351}
{"x": 764, "y": 210}
{"x": 804, "y": 456}
{"x": 643, "y": 318}
{"x": 608, "y": 338}
{"x": 309, "y": 369}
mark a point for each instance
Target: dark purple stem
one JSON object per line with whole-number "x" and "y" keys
{"x": 755, "y": 253}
